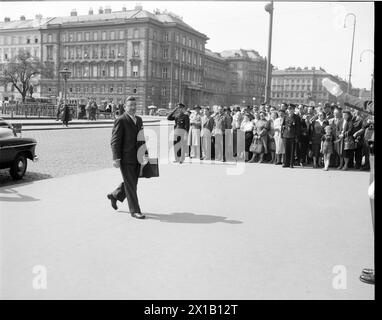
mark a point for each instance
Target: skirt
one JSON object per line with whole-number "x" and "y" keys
{"x": 279, "y": 144}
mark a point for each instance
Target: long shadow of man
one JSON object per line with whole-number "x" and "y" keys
{"x": 187, "y": 217}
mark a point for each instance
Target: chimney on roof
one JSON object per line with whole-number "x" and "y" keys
{"x": 73, "y": 13}
{"x": 124, "y": 9}
{"x": 138, "y": 7}
{"x": 100, "y": 10}
{"x": 91, "y": 11}
{"x": 22, "y": 18}
{"x": 7, "y": 19}
{"x": 107, "y": 9}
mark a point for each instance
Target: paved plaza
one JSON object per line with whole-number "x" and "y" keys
{"x": 208, "y": 235}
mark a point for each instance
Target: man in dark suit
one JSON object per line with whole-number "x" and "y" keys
{"x": 129, "y": 152}
{"x": 290, "y": 133}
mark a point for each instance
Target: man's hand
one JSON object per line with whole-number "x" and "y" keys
{"x": 332, "y": 87}
{"x": 117, "y": 163}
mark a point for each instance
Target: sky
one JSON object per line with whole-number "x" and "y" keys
{"x": 305, "y": 34}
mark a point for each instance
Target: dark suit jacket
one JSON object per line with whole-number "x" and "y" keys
{"x": 291, "y": 127}
{"x": 127, "y": 138}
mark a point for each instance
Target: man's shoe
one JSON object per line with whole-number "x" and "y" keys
{"x": 367, "y": 278}
{"x": 367, "y": 271}
{"x": 113, "y": 201}
{"x": 291, "y": 166}
{"x": 285, "y": 166}
{"x": 138, "y": 215}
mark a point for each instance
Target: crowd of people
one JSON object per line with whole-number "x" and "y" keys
{"x": 288, "y": 135}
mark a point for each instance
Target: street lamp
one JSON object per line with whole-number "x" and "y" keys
{"x": 352, "y": 47}
{"x": 254, "y": 101}
{"x": 65, "y": 74}
{"x": 269, "y": 9}
{"x": 372, "y": 75}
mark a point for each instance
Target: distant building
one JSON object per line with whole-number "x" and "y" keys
{"x": 246, "y": 74}
{"x": 154, "y": 56}
{"x": 19, "y": 35}
{"x": 302, "y": 86}
{"x": 216, "y": 82}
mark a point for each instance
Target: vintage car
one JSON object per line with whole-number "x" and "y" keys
{"x": 162, "y": 112}
{"x": 14, "y": 152}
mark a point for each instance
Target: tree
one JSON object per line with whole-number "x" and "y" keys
{"x": 21, "y": 69}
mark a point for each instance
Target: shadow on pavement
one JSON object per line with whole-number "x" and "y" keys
{"x": 30, "y": 177}
{"x": 16, "y": 197}
{"x": 186, "y": 217}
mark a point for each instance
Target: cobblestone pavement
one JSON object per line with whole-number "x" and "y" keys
{"x": 65, "y": 152}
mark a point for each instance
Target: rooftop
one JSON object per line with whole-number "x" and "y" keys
{"x": 24, "y": 24}
{"x": 241, "y": 53}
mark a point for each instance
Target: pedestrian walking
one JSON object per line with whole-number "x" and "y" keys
{"x": 65, "y": 117}
{"x": 127, "y": 142}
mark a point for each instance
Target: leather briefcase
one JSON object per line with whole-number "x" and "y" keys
{"x": 150, "y": 169}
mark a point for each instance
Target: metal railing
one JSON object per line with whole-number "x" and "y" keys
{"x": 29, "y": 110}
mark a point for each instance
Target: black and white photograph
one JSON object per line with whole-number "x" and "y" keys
{"x": 187, "y": 150}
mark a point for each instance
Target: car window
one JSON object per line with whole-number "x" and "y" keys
{"x": 6, "y": 133}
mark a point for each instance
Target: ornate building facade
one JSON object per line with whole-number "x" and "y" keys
{"x": 154, "y": 56}
{"x": 302, "y": 86}
{"x": 23, "y": 34}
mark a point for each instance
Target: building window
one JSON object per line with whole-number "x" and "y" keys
{"x": 164, "y": 92}
{"x": 50, "y": 38}
{"x": 136, "y": 33}
{"x": 111, "y": 70}
{"x": 119, "y": 89}
{"x": 165, "y": 53}
{"x": 166, "y": 36}
{"x": 135, "y": 90}
{"x": 121, "y": 34}
{"x": 111, "y": 89}
{"x": 49, "y": 52}
{"x": 78, "y": 53}
{"x": 136, "y": 49}
{"x": 79, "y": 36}
{"x": 135, "y": 71}
{"x": 103, "y": 35}
{"x": 103, "y": 73}
{"x": 184, "y": 40}
{"x": 189, "y": 42}
{"x": 177, "y": 53}
{"x": 112, "y": 35}
{"x": 183, "y": 55}
{"x": 87, "y": 36}
{"x": 177, "y": 38}
{"x": 95, "y": 35}
{"x": 95, "y": 73}
{"x": 103, "y": 52}
{"x": 164, "y": 72}
{"x": 86, "y": 71}
{"x": 120, "y": 71}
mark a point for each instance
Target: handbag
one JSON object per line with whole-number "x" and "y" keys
{"x": 150, "y": 169}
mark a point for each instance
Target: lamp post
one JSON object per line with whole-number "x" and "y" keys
{"x": 372, "y": 75}
{"x": 269, "y": 9}
{"x": 65, "y": 74}
{"x": 352, "y": 47}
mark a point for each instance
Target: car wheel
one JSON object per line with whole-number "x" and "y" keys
{"x": 19, "y": 167}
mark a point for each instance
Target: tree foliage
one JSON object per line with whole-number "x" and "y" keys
{"x": 22, "y": 69}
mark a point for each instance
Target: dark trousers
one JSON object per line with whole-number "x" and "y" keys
{"x": 358, "y": 157}
{"x": 289, "y": 151}
{"x": 128, "y": 188}
{"x": 302, "y": 149}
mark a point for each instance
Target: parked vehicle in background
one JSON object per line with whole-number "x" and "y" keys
{"x": 162, "y": 112}
{"x": 14, "y": 152}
